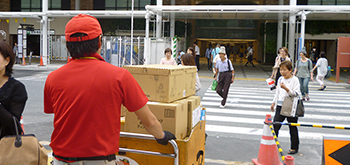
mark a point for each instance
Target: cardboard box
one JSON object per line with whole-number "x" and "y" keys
{"x": 191, "y": 149}
{"x": 194, "y": 112}
{"x": 165, "y": 83}
{"x": 172, "y": 117}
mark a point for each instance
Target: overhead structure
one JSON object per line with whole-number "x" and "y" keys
{"x": 251, "y": 12}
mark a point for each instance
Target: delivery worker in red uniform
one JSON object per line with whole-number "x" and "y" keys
{"x": 86, "y": 95}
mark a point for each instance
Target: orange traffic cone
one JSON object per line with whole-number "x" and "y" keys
{"x": 268, "y": 154}
{"x": 21, "y": 122}
{"x": 41, "y": 61}
{"x": 23, "y": 60}
{"x": 289, "y": 160}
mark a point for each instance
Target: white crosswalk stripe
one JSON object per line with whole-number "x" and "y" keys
{"x": 247, "y": 107}
{"x": 41, "y": 76}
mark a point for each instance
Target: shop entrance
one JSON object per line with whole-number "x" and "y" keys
{"x": 235, "y": 48}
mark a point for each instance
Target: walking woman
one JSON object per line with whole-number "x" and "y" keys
{"x": 303, "y": 70}
{"x": 282, "y": 56}
{"x": 13, "y": 95}
{"x": 187, "y": 60}
{"x": 321, "y": 66}
{"x": 288, "y": 85}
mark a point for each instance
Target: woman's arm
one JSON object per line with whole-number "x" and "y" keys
{"x": 295, "y": 71}
{"x": 198, "y": 83}
{"x": 294, "y": 89}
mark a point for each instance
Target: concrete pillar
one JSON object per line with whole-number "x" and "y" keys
{"x": 291, "y": 43}
{"x": 279, "y": 29}
{"x": 77, "y": 4}
{"x": 159, "y": 20}
{"x": 172, "y": 22}
{"x": 44, "y": 33}
{"x": 302, "y": 29}
{"x": 146, "y": 41}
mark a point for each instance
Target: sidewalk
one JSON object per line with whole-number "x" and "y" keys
{"x": 54, "y": 64}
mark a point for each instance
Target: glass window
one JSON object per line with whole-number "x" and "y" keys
{"x": 25, "y": 4}
{"x": 110, "y": 4}
{"x": 35, "y": 4}
{"x": 314, "y": 2}
{"x": 343, "y": 2}
{"x": 143, "y": 3}
{"x": 122, "y": 3}
{"x": 328, "y": 2}
{"x": 55, "y": 4}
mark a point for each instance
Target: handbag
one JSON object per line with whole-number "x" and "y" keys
{"x": 292, "y": 107}
{"x": 22, "y": 149}
{"x": 329, "y": 72}
{"x": 214, "y": 85}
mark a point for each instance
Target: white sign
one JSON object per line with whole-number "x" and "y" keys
{"x": 38, "y": 32}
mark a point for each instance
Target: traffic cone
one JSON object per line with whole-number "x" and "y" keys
{"x": 268, "y": 154}
{"x": 21, "y": 122}
{"x": 41, "y": 61}
{"x": 23, "y": 60}
{"x": 289, "y": 160}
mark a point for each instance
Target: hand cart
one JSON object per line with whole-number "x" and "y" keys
{"x": 150, "y": 137}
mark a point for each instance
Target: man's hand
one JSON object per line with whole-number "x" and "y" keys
{"x": 167, "y": 136}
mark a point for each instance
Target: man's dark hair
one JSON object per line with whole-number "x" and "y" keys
{"x": 6, "y": 51}
{"x": 82, "y": 49}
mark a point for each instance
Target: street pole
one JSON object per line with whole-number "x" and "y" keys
{"x": 132, "y": 31}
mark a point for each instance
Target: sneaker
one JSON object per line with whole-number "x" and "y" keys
{"x": 222, "y": 106}
{"x": 308, "y": 98}
{"x": 303, "y": 98}
{"x": 272, "y": 88}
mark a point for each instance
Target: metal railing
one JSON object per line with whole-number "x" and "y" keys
{"x": 175, "y": 155}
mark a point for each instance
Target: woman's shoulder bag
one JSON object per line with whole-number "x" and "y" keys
{"x": 22, "y": 149}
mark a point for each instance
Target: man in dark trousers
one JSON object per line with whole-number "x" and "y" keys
{"x": 197, "y": 53}
{"x": 86, "y": 95}
{"x": 226, "y": 76}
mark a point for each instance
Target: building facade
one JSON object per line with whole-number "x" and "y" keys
{"x": 232, "y": 31}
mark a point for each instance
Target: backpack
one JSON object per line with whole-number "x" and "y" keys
{"x": 329, "y": 72}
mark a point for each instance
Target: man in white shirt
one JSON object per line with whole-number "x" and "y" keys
{"x": 226, "y": 76}
{"x": 197, "y": 52}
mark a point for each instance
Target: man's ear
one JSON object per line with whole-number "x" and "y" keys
{"x": 99, "y": 41}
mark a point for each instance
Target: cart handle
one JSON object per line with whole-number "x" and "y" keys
{"x": 150, "y": 137}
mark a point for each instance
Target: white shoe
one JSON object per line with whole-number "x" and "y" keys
{"x": 222, "y": 106}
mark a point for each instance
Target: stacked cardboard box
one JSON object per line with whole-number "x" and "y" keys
{"x": 165, "y": 83}
{"x": 170, "y": 90}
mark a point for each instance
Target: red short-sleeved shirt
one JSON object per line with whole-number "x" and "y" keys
{"x": 86, "y": 96}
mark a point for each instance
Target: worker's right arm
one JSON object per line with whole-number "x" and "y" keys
{"x": 153, "y": 126}
{"x": 150, "y": 122}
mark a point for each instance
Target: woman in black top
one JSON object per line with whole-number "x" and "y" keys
{"x": 13, "y": 95}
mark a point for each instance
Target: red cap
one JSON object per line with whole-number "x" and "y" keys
{"x": 83, "y": 23}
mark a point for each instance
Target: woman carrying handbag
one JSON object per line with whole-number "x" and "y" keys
{"x": 13, "y": 95}
{"x": 288, "y": 85}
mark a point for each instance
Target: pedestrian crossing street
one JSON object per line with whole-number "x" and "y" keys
{"x": 247, "y": 106}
